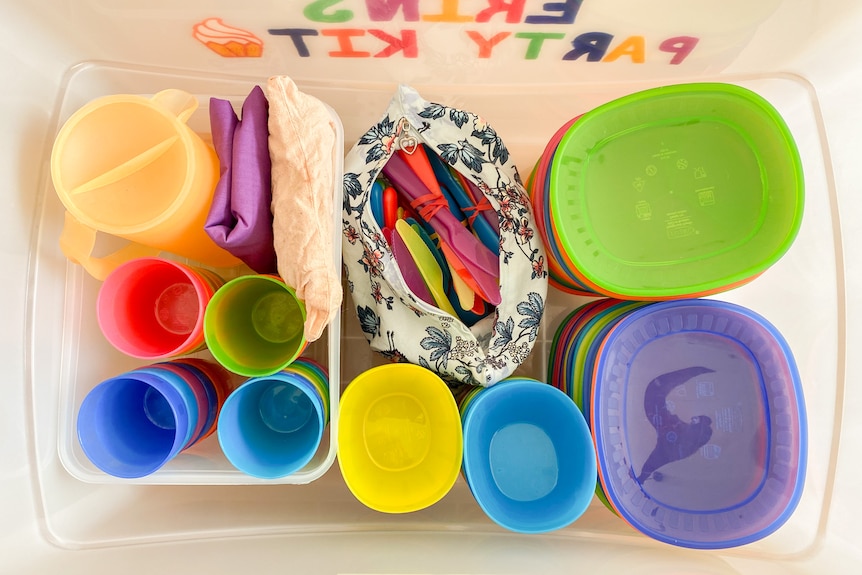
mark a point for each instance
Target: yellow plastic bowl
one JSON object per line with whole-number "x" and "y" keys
{"x": 399, "y": 438}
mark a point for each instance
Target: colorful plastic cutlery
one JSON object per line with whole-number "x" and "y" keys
{"x": 377, "y": 204}
{"x": 409, "y": 269}
{"x": 478, "y": 198}
{"x": 426, "y": 264}
{"x": 451, "y": 185}
{"x": 390, "y": 207}
{"x": 475, "y": 263}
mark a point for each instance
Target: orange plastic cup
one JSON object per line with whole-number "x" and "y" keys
{"x": 129, "y": 166}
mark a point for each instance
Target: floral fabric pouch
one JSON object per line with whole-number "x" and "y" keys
{"x": 396, "y": 322}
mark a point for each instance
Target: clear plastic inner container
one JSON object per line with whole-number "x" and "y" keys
{"x": 87, "y": 358}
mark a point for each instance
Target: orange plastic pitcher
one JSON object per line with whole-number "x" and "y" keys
{"x": 129, "y": 166}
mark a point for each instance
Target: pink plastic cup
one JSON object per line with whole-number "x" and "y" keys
{"x": 153, "y": 308}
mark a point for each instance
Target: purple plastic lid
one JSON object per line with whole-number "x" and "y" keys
{"x": 700, "y": 424}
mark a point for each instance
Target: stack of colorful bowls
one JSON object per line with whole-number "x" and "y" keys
{"x": 696, "y": 410}
{"x": 399, "y": 438}
{"x": 680, "y": 191}
{"x": 528, "y": 455}
{"x": 272, "y": 425}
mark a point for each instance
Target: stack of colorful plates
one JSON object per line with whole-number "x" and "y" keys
{"x": 673, "y": 192}
{"x": 696, "y": 410}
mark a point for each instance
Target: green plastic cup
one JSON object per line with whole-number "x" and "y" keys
{"x": 253, "y": 325}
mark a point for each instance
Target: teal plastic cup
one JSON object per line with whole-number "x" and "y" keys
{"x": 271, "y": 426}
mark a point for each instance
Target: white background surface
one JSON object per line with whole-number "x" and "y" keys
{"x": 38, "y": 48}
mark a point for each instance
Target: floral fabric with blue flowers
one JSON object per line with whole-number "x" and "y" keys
{"x": 397, "y": 323}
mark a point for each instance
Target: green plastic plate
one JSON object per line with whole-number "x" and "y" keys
{"x": 677, "y": 190}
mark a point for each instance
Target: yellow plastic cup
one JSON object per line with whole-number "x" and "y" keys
{"x": 129, "y": 166}
{"x": 399, "y": 438}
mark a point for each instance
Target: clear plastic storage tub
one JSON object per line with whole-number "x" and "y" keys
{"x": 88, "y": 358}
{"x": 526, "y": 67}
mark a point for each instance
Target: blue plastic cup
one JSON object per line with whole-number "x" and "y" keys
{"x": 131, "y": 425}
{"x": 194, "y": 399}
{"x": 205, "y": 395}
{"x": 528, "y": 456}
{"x": 272, "y": 426}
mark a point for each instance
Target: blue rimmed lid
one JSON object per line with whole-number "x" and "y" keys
{"x": 700, "y": 425}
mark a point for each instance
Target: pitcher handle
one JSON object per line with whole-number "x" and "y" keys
{"x": 78, "y": 240}
{"x": 178, "y": 102}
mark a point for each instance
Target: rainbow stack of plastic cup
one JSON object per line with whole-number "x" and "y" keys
{"x": 153, "y": 308}
{"x": 528, "y": 456}
{"x": 679, "y": 191}
{"x": 272, "y": 425}
{"x": 133, "y": 424}
{"x": 697, "y": 414}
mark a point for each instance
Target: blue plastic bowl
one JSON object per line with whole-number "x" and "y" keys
{"x": 528, "y": 456}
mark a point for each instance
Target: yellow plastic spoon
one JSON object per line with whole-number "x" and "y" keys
{"x": 426, "y": 264}
{"x": 466, "y": 296}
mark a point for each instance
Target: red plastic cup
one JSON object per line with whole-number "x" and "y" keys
{"x": 153, "y": 308}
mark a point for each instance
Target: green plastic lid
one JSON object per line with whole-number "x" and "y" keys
{"x": 676, "y": 190}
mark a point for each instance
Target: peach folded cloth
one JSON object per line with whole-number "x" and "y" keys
{"x": 302, "y": 137}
